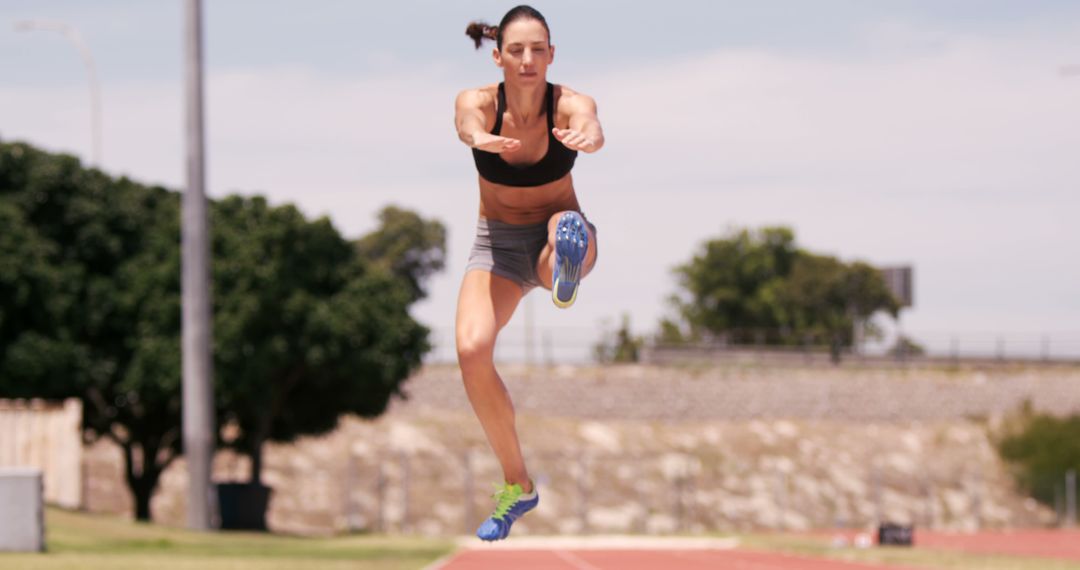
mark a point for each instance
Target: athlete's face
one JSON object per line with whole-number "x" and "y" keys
{"x": 526, "y": 53}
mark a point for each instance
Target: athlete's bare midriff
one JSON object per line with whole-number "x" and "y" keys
{"x": 527, "y": 204}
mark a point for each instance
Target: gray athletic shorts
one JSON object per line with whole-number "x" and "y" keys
{"x": 511, "y": 250}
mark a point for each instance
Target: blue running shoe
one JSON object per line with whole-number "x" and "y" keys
{"x": 511, "y": 503}
{"x": 571, "y": 245}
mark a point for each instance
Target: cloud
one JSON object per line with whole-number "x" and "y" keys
{"x": 957, "y": 156}
{"x": 930, "y": 119}
{"x": 952, "y": 152}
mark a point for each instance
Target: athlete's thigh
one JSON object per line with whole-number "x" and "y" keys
{"x": 485, "y": 304}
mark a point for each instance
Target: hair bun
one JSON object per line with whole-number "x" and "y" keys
{"x": 479, "y": 31}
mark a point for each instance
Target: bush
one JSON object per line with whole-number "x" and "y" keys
{"x": 1042, "y": 449}
{"x": 906, "y": 347}
{"x": 622, "y": 346}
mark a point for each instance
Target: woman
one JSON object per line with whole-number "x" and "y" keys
{"x": 525, "y": 134}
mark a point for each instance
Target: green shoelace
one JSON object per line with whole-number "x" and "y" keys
{"x": 505, "y": 497}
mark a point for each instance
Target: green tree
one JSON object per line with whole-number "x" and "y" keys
{"x": 621, "y": 346}
{"x": 28, "y": 280}
{"x": 824, "y": 298}
{"x": 1041, "y": 449}
{"x": 759, "y": 287}
{"x": 731, "y": 288}
{"x": 672, "y": 332}
{"x": 408, "y": 246}
{"x": 306, "y": 329}
{"x": 91, "y": 267}
{"x": 906, "y": 347}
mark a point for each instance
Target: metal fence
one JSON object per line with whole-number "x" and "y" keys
{"x": 578, "y": 345}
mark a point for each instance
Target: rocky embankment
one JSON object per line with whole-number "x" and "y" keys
{"x": 658, "y": 450}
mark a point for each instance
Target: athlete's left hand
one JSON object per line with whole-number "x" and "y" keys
{"x": 574, "y": 140}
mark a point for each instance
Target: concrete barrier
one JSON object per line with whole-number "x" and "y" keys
{"x": 46, "y": 435}
{"x": 22, "y": 514}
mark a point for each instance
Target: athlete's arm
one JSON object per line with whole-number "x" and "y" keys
{"x": 471, "y": 123}
{"x": 583, "y": 131}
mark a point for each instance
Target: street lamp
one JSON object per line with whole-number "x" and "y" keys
{"x": 75, "y": 38}
{"x": 197, "y": 327}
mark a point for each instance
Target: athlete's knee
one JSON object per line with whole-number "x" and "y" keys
{"x": 474, "y": 347}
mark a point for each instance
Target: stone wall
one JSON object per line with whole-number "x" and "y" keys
{"x": 47, "y": 436}
{"x": 751, "y": 392}
{"x": 658, "y": 450}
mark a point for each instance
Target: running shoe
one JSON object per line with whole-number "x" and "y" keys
{"x": 571, "y": 244}
{"x": 511, "y": 503}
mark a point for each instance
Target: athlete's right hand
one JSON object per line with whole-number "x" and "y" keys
{"x": 494, "y": 143}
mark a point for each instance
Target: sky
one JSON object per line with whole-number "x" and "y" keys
{"x": 944, "y": 135}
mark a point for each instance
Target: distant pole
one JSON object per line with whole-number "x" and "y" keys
{"x": 406, "y": 493}
{"x": 1059, "y": 505}
{"x": 198, "y": 397}
{"x": 583, "y": 491}
{"x": 380, "y": 496}
{"x": 1070, "y": 498}
{"x": 470, "y": 490}
{"x": 73, "y": 36}
{"x": 901, "y": 341}
{"x": 782, "y": 498}
{"x": 529, "y": 354}
{"x": 977, "y": 490}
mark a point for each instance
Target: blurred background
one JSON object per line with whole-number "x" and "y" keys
{"x": 836, "y": 282}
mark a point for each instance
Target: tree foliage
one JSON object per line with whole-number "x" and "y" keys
{"x": 1041, "y": 449}
{"x": 306, "y": 328}
{"x": 408, "y": 246}
{"x": 760, "y": 287}
{"x": 620, "y": 346}
{"x": 90, "y": 286}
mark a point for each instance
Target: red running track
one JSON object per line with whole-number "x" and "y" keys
{"x": 1063, "y": 544}
{"x": 641, "y": 560}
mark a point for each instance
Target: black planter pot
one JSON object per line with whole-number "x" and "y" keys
{"x": 243, "y": 505}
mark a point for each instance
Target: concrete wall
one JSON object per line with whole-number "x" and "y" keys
{"x": 46, "y": 436}
{"x": 755, "y": 391}
{"x": 22, "y": 516}
{"x": 658, "y": 450}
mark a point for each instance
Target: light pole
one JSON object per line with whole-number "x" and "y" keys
{"x": 75, "y": 38}
{"x": 198, "y": 371}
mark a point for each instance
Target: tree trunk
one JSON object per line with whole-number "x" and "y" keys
{"x": 256, "y": 462}
{"x": 266, "y": 421}
{"x": 142, "y": 492}
{"x": 262, "y": 432}
{"x": 836, "y": 347}
{"x": 142, "y": 479}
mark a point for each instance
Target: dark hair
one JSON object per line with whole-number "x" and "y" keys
{"x": 479, "y": 31}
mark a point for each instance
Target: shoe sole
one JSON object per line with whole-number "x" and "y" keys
{"x": 571, "y": 238}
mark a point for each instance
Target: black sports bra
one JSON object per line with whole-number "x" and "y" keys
{"x": 556, "y": 163}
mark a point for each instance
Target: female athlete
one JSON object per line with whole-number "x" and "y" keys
{"x": 525, "y": 134}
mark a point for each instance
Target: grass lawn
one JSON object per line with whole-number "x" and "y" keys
{"x": 95, "y": 542}
{"x": 90, "y": 542}
{"x": 913, "y": 557}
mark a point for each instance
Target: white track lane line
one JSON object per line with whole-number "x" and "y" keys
{"x": 442, "y": 562}
{"x": 573, "y": 560}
